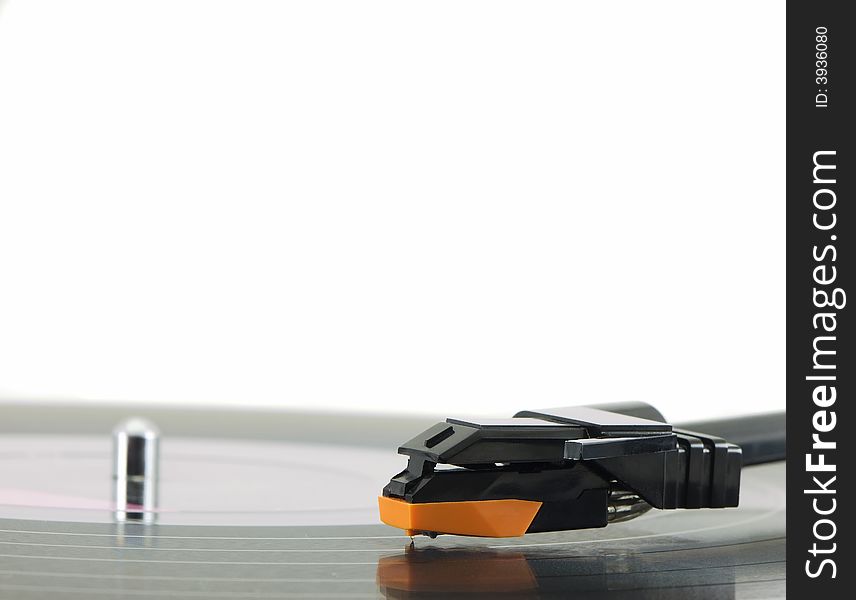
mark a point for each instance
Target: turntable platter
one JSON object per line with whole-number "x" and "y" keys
{"x": 264, "y": 518}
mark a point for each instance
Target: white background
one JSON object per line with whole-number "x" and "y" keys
{"x": 442, "y": 207}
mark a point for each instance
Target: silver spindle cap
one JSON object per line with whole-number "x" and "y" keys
{"x": 135, "y": 469}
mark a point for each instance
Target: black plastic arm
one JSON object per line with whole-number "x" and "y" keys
{"x": 761, "y": 437}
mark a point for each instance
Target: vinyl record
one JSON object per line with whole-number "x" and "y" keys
{"x": 285, "y": 507}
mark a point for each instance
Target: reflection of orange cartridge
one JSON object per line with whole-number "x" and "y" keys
{"x": 555, "y": 469}
{"x": 434, "y": 572}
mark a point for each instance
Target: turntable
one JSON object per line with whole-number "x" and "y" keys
{"x": 183, "y": 503}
